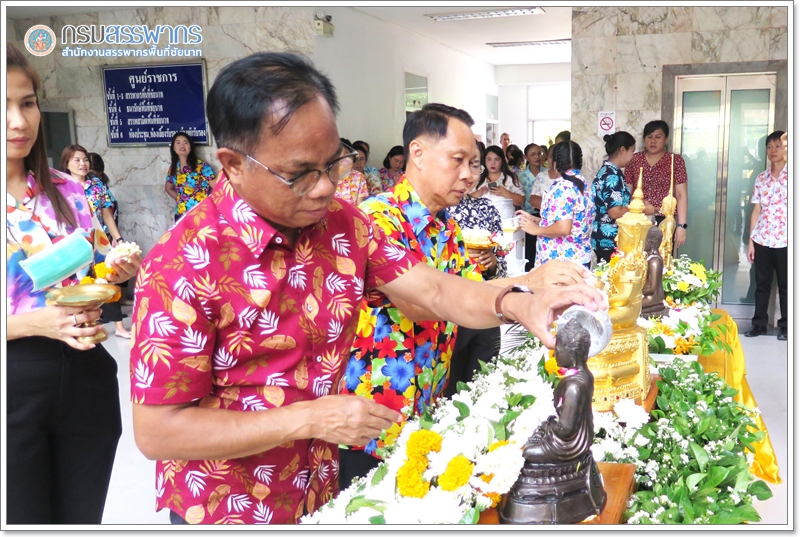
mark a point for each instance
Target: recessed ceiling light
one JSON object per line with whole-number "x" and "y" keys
{"x": 530, "y": 43}
{"x": 440, "y": 17}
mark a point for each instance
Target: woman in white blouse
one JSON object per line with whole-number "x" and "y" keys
{"x": 499, "y": 184}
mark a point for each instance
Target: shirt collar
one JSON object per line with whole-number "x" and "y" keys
{"x": 419, "y": 216}
{"x": 252, "y": 229}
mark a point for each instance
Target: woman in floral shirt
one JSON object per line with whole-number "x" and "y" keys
{"x": 63, "y": 418}
{"x": 189, "y": 179}
{"x": 611, "y": 196}
{"x": 768, "y": 239}
{"x": 567, "y": 212}
{"x": 393, "y": 166}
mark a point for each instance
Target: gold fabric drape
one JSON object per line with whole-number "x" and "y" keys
{"x": 731, "y": 368}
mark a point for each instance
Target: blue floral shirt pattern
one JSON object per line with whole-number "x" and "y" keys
{"x": 565, "y": 202}
{"x": 608, "y": 190}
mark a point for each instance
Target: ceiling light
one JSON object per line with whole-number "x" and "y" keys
{"x": 439, "y": 17}
{"x": 529, "y": 43}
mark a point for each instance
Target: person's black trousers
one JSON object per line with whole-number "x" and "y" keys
{"x": 604, "y": 255}
{"x": 63, "y": 418}
{"x": 768, "y": 261}
{"x": 354, "y": 464}
{"x": 471, "y": 345}
{"x": 530, "y": 252}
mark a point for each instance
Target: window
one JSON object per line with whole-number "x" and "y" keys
{"x": 549, "y": 111}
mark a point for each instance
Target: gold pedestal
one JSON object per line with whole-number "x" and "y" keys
{"x": 622, "y": 370}
{"x": 87, "y": 296}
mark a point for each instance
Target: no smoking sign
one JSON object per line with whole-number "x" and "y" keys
{"x": 606, "y": 123}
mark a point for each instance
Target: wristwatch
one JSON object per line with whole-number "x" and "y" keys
{"x": 684, "y": 226}
{"x": 498, "y": 302}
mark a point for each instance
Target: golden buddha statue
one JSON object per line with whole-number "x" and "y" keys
{"x": 667, "y": 227}
{"x": 622, "y": 369}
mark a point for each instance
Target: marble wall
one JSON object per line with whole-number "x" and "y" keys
{"x": 618, "y": 55}
{"x": 137, "y": 174}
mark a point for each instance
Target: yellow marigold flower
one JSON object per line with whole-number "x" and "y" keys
{"x": 457, "y": 474}
{"x": 551, "y": 365}
{"x": 683, "y": 286}
{"x": 410, "y": 483}
{"x": 422, "y": 442}
{"x": 87, "y": 279}
{"x": 487, "y": 478}
{"x": 498, "y": 444}
{"x": 614, "y": 261}
{"x": 101, "y": 270}
{"x": 682, "y": 346}
{"x": 664, "y": 329}
{"x": 698, "y": 270}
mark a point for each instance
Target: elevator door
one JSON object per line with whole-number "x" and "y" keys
{"x": 721, "y": 125}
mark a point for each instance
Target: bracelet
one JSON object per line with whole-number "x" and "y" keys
{"x": 498, "y": 302}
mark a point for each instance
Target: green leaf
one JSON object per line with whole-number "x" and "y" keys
{"x": 380, "y": 473}
{"x": 699, "y": 454}
{"x": 716, "y": 475}
{"x": 377, "y": 519}
{"x": 361, "y": 501}
{"x": 499, "y": 430}
{"x": 470, "y": 517}
{"x": 463, "y": 409}
{"x": 687, "y": 508}
{"x": 460, "y": 386}
{"x": 483, "y": 367}
{"x": 694, "y": 479}
{"x": 760, "y": 490}
{"x": 668, "y": 374}
{"x": 510, "y": 416}
{"x": 527, "y": 401}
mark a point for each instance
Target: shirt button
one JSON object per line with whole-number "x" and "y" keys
{"x": 319, "y": 358}
{"x": 309, "y": 307}
{"x": 278, "y": 240}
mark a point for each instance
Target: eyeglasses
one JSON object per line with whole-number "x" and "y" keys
{"x": 476, "y": 169}
{"x": 306, "y": 181}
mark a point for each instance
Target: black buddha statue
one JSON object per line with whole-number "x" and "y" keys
{"x": 653, "y": 304}
{"x": 560, "y": 482}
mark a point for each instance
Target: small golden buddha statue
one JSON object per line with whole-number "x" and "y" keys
{"x": 667, "y": 227}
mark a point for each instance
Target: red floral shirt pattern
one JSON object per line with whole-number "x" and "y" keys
{"x": 655, "y": 179}
{"x": 229, "y": 315}
{"x": 773, "y": 195}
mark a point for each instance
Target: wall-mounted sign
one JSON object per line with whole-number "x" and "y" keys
{"x": 146, "y": 105}
{"x": 606, "y": 123}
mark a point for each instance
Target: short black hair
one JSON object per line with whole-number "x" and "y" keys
{"x": 432, "y": 120}
{"x": 262, "y": 90}
{"x": 361, "y": 146}
{"x": 655, "y": 125}
{"x": 774, "y": 137}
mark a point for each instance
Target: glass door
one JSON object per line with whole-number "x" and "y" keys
{"x": 736, "y": 111}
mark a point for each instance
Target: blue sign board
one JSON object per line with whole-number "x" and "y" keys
{"x": 146, "y": 105}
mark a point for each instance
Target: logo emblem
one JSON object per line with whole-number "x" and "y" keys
{"x": 40, "y": 40}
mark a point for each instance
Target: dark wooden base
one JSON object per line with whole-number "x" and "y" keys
{"x": 619, "y": 485}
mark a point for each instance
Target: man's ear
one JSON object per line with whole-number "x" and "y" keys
{"x": 233, "y": 162}
{"x": 416, "y": 152}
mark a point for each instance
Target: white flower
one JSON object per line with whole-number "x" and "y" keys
{"x": 631, "y": 414}
{"x": 597, "y": 452}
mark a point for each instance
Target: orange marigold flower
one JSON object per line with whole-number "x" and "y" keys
{"x": 422, "y": 442}
{"x": 494, "y": 497}
{"x": 551, "y": 365}
{"x": 86, "y": 279}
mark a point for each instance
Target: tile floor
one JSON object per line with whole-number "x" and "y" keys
{"x": 131, "y": 496}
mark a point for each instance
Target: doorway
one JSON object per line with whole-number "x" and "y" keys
{"x": 721, "y": 125}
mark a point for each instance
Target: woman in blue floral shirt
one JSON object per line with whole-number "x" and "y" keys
{"x": 189, "y": 179}
{"x": 567, "y": 212}
{"x": 610, "y": 194}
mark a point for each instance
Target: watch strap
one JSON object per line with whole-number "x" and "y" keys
{"x": 498, "y": 302}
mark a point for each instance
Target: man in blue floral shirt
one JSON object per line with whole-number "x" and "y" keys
{"x": 399, "y": 358}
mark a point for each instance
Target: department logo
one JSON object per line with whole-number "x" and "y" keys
{"x": 40, "y": 40}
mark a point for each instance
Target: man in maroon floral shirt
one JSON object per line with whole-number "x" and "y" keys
{"x": 246, "y": 309}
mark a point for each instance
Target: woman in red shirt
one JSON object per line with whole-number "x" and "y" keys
{"x": 656, "y": 163}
